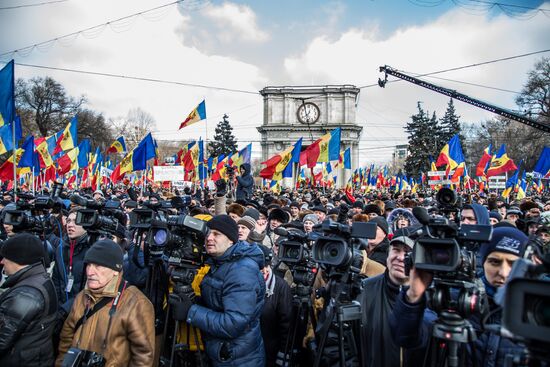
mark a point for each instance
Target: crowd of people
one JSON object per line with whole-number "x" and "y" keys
{"x": 73, "y": 297}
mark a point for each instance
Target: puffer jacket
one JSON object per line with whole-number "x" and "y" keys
{"x": 232, "y": 298}
{"x": 245, "y": 183}
{"x": 27, "y": 318}
{"x": 131, "y": 338}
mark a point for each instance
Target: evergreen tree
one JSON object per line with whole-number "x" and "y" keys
{"x": 449, "y": 126}
{"x": 423, "y": 142}
{"x": 224, "y": 140}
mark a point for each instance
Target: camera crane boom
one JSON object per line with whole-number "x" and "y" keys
{"x": 461, "y": 97}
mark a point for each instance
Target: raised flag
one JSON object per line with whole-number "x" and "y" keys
{"x": 542, "y": 168}
{"x": 347, "y": 158}
{"x": 511, "y": 184}
{"x": 118, "y": 146}
{"x": 198, "y": 114}
{"x": 484, "y": 161}
{"x": 6, "y": 135}
{"x": 246, "y": 153}
{"x": 324, "y": 149}
{"x": 452, "y": 156}
{"x": 42, "y": 150}
{"x": 500, "y": 163}
{"x": 68, "y": 139}
{"x": 295, "y": 158}
{"x": 522, "y": 189}
{"x": 7, "y": 100}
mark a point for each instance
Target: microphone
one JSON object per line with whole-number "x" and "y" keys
{"x": 78, "y": 200}
{"x": 421, "y": 214}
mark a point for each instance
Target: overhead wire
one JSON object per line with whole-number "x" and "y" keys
{"x": 32, "y": 5}
{"x": 25, "y": 51}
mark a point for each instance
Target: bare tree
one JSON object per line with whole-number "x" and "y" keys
{"x": 134, "y": 126}
{"x": 44, "y": 106}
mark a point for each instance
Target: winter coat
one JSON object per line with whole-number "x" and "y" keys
{"x": 232, "y": 298}
{"x": 61, "y": 272}
{"x": 412, "y": 324}
{"x": 245, "y": 183}
{"x": 27, "y": 318}
{"x": 380, "y": 252}
{"x": 377, "y": 300}
{"x": 276, "y": 317}
{"x": 131, "y": 338}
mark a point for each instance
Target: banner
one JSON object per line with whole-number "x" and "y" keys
{"x": 168, "y": 173}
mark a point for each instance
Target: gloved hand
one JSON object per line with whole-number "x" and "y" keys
{"x": 221, "y": 187}
{"x": 180, "y": 306}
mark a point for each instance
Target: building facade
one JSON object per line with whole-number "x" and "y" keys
{"x": 309, "y": 112}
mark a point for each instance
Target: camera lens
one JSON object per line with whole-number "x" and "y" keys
{"x": 160, "y": 237}
{"x": 440, "y": 256}
{"x": 292, "y": 253}
{"x": 538, "y": 313}
{"x": 332, "y": 252}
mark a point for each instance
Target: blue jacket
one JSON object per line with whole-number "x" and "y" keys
{"x": 411, "y": 325}
{"x": 232, "y": 295}
{"x": 245, "y": 183}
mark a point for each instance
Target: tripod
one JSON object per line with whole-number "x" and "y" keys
{"x": 449, "y": 332}
{"x": 343, "y": 313}
{"x": 302, "y": 309}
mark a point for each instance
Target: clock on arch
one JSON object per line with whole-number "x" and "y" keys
{"x": 308, "y": 113}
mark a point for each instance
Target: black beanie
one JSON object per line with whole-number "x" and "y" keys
{"x": 24, "y": 249}
{"x": 105, "y": 253}
{"x": 380, "y": 222}
{"x": 226, "y": 225}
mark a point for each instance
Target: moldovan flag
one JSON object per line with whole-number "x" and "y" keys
{"x": 7, "y": 100}
{"x": 277, "y": 164}
{"x": 68, "y": 139}
{"x": 484, "y": 161}
{"x": 500, "y": 163}
{"x": 325, "y": 149}
{"x": 511, "y": 184}
{"x": 452, "y": 156}
{"x": 198, "y": 114}
{"x": 542, "y": 168}
{"x": 118, "y": 146}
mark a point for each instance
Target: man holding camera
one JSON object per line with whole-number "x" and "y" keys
{"x": 411, "y": 325}
{"x": 232, "y": 298}
{"x": 110, "y": 322}
{"x": 28, "y": 308}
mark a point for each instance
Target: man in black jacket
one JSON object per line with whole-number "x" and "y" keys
{"x": 277, "y": 311}
{"x": 28, "y": 309}
{"x": 377, "y": 300}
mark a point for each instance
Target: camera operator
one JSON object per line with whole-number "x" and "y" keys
{"x": 378, "y": 247}
{"x": 245, "y": 182}
{"x": 28, "y": 308}
{"x": 232, "y": 298}
{"x": 276, "y": 313}
{"x": 411, "y": 324}
{"x": 377, "y": 300}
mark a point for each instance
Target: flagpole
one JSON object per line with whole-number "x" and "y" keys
{"x": 14, "y": 161}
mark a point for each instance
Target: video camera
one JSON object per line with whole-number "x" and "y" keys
{"x": 180, "y": 237}
{"x": 338, "y": 248}
{"x": 99, "y": 217}
{"x": 446, "y": 249}
{"x": 31, "y": 212}
{"x": 295, "y": 252}
{"x": 525, "y": 300}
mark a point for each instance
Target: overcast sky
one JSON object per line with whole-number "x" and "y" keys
{"x": 247, "y": 45}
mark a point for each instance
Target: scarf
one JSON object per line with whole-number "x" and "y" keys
{"x": 109, "y": 290}
{"x": 269, "y": 284}
{"x": 489, "y": 289}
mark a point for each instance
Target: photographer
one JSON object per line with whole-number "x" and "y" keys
{"x": 109, "y": 320}
{"x": 68, "y": 274}
{"x": 411, "y": 325}
{"x": 28, "y": 308}
{"x": 232, "y": 298}
{"x": 245, "y": 182}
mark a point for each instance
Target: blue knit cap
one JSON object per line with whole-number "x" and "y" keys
{"x": 505, "y": 239}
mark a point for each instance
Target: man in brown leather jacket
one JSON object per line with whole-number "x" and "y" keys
{"x": 109, "y": 317}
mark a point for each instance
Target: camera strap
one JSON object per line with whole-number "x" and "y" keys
{"x": 112, "y": 311}
{"x": 98, "y": 306}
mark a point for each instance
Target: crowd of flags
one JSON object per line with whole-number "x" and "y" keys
{"x": 61, "y": 156}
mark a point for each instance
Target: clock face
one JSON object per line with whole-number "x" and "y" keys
{"x": 308, "y": 113}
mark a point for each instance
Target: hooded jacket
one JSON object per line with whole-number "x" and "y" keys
{"x": 245, "y": 183}
{"x": 481, "y": 213}
{"x": 232, "y": 298}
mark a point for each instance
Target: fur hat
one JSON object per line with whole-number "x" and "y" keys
{"x": 279, "y": 214}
